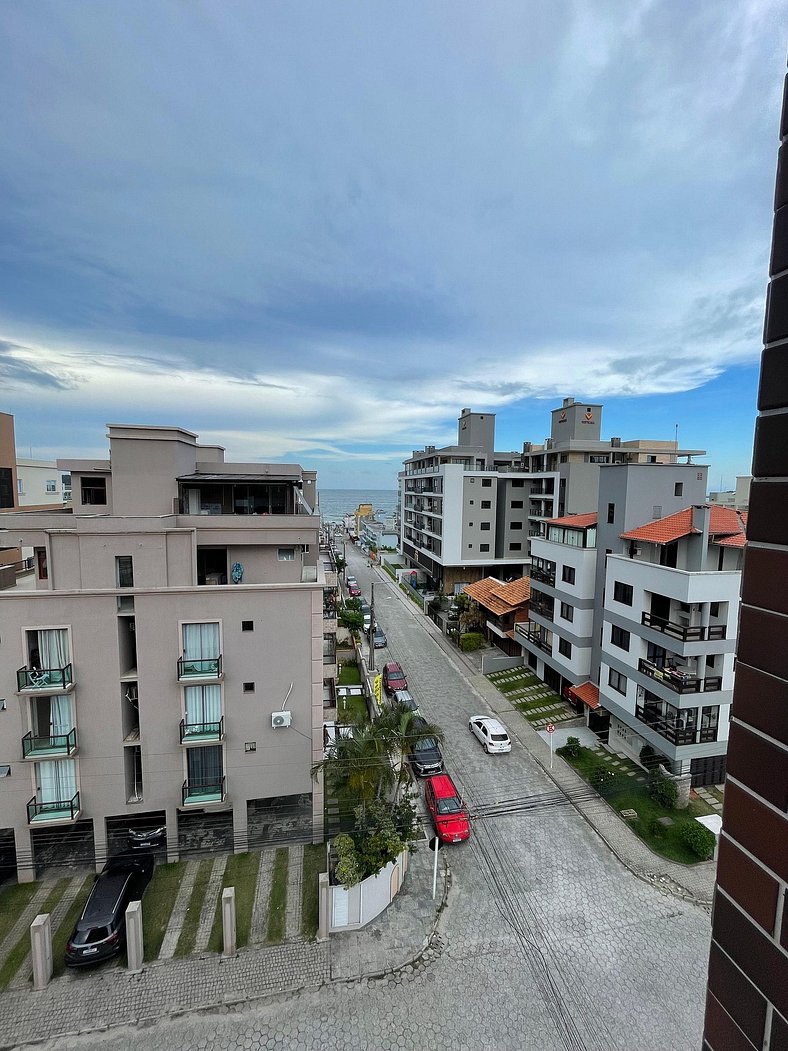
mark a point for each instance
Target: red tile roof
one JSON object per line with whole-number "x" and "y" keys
{"x": 723, "y": 522}
{"x": 575, "y": 521}
{"x": 588, "y": 693}
{"x": 500, "y": 597}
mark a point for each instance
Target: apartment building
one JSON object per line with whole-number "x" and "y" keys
{"x": 166, "y": 662}
{"x": 668, "y": 648}
{"x": 41, "y": 482}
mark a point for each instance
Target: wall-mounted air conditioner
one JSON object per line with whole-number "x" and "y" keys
{"x": 279, "y": 719}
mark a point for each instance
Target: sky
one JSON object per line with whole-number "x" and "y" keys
{"x": 314, "y": 232}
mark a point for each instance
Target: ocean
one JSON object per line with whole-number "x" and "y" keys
{"x": 336, "y": 503}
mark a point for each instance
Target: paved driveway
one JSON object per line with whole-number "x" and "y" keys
{"x": 550, "y": 944}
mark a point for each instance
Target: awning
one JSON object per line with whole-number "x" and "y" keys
{"x": 588, "y": 693}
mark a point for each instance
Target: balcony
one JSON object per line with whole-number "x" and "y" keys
{"x": 544, "y": 609}
{"x": 59, "y": 745}
{"x": 673, "y": 730}
{"x": 537, "y": 640}
{"x": 56, "y": 810}
{"x": 679, "y": 680}
{"x": 545, "y": 576}
{"x": 190, "y": 668}
{"x": 45, "y": 680}
{"x": 198, "y": 792}
{"x": 201, "y": 732}
{"x": 682, "y": 632}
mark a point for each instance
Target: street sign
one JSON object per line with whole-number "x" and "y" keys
{"x": 435, "y": 843}
{"x": 551, "y": 728}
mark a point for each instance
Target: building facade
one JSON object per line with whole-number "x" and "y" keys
{"x": 165, "y": 664}
{"x": 40, "y": 482}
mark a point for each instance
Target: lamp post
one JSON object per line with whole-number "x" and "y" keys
{"x": 372, "y": 629}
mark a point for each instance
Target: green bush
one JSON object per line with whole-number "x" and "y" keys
{"x": 698, "y": 838}
{"x": 604, "y": 779}
{"x": 648, "y": 757}
{"x": 656, "y": 829}
{"x": 349, "y": 870}
{"x": 662, "y": 790}
{"x": 471, "y": 640}
{"x": 572, "y": 747}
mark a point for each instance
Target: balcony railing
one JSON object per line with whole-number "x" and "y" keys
{"x": 55, "y": 810}
{"x": 679, "y": 681}
{"x": 537, "y": 640}
{"x": 202, "y": 731}
{"x": 673, "y": 731}
{"x": 45, "y": 678}
{"x": 34, "y": 747}
{"x": 198, "y": 790}
{"x": 207, "y": 668}
{"x": 544, "y": 609}
{"x": 544, "y": 575}
{"x": 682, "y": 632}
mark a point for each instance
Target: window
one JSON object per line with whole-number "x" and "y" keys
{"x": 564, "y": 648}
{"x": 248, "y": 687}
{"x": 617, "y": 681}
{"x": 486, "y": 505}
{"x": 487, "y": 483}
{"x": 652, "y": 459}
{"x": 517, "y": 483}
{"x": 595, "y": 458}
{"x": 656, "y": 511}
{"x": 485, "y": 527}
{"x": 678, "y": 489}
{"x": 471, "y": 502}
{"x": 94, "y": 490}
{"x": 563, "y": 458}
{"x": 517, "y": 525}
{"x": 568, "y": 574}
{"x": 611, "y": 513}
{"x": 41, "y": 563}
{"x": 622, "y": 593}
{"x": 20, "y": 486}
{"x": 516, "y": 547}
{"x": 714, "y": 609}
{"x": 124, "y": 571}
{"x": 285, "y": 554}
{"x": 484, "y": 547}
{"x": 567, "y": 611}
{"x": 619, "y": 637}
{"x": 247, "y": 625}
{"x": 51, "y": 485}
{"x": 516, "y": 504}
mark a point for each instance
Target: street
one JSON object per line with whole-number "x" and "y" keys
{"x": 549, "y": 942}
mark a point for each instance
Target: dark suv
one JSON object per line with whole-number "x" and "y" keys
{"x": 101, "y": 929}
{"x": 425, "y": 755}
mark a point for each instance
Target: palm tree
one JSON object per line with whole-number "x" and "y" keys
{"x": 400, "y": 728}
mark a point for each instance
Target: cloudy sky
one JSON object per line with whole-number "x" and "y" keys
{"x": 316, "y": 231}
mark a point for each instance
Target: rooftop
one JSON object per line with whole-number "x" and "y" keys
{"x": 575, "y": 521}
{"x": 725, "y": 524}
{"x": 499, "y": 596}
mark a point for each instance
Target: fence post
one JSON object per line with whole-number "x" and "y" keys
{"x": 228, "y": 921}
{"x": 135, "y": 951}
{"x": 323, "y": 901}
{"x": 41, "y": 949}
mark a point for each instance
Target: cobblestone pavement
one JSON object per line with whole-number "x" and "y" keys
{"x": 547, "y": 943}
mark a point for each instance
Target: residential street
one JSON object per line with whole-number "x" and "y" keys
{"x": 549, "y": 942}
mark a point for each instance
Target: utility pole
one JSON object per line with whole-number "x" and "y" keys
{"x": 372, "y": 629}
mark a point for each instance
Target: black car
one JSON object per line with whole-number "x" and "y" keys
{"x": 379, "y": 638}
{"x": 100, "y": 932}
{"x": 425, "y": 756}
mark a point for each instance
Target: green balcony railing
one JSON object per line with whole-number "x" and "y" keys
{"x": 45, "y": 678}
{"x": 203, "y": 790}
{"x": 193, "y": 668}
{"x": 34, "y": 746}
{"x": 55, "y": 810}
{"x": 202, "y": 731}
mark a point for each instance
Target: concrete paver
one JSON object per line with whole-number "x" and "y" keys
{"x": 295, "y": 866}
{"x": 259, "y": 925}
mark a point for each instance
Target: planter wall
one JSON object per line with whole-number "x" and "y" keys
{"x": 349, "y": 910}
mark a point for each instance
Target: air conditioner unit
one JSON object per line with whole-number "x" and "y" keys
{"x": 281, "y": 719}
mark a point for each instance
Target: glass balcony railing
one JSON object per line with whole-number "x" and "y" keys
{"x": 45, "y": 678}
{"x": 199, "y": 790}
{"x": 35, "y": 747}
{"x": 199, "y": 668}
{"x": 201, "y": 731}
{"x": 54, "y": 810}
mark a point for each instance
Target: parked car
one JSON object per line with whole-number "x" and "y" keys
{"x": 448, "y": 811}
{"x": 379, "y": 639}
{"x": 491, "y": 732}
{"x": 100, "y": 932}
{"x": 353, "y": 590}
{"x": 394, "y": 677}
{"x": 425, "y": 757}
{"x": 406, "y": 697}
{"x": 149, "y": 839}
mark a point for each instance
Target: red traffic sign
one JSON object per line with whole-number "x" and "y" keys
{"x": 551, "y": 728}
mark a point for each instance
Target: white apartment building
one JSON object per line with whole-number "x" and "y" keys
{"x": 40, "y": 482}
{"x": 558, "y": 639}
{"x": 166, "y": 661}
{"x": 669, "y": 638}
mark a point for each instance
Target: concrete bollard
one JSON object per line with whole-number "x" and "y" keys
{"x": 41, "y": 950}
{"x": 134, "y": 943}
{"x": 228, "y": 921}
{"x": 322, "y": 901}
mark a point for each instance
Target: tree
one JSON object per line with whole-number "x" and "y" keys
{"x": 400, "y": 728}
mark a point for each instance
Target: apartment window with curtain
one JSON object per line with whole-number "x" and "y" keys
{"x": 124, "y": 571}
{"x": 203, "y": 706}
{"x": 201, "y": 648}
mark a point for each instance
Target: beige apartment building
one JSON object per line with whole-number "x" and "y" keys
{"x": 166, "y": 661}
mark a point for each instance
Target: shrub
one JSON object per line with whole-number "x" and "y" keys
{"x": 604, "y": 779}
{"x": 662, "y": 790}
{"x": 648, "y": 757}
{"x": 656, "y": 829}
{"x": 698, "y": 838}
{"x": 348, "y": 870}
{"x": 572, "y": 747}
{"x": 471, "y": 640}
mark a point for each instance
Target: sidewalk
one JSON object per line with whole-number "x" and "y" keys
{"x": 403, "y": 936}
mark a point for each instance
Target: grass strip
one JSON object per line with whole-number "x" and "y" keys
{"x": 277, "y": 902}
{"x": 13, "y": 901}
{"x": 158, "y": 903}
{"x": 240, "y": 872}
{"x": 191, "y": 923}
{"x": 67, "y": 924}
{"x": 314, "y": 864}
{"x": 349, "y": 675}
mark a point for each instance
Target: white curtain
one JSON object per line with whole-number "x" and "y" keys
{"x": 53, "y": 647}
{"x": 203, "y": 704}
{"x": 60, "y": 715}
{"x": 57, "y": 780}
{"x": 201, "y": 641}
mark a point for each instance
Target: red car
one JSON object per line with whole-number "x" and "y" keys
{"x": 353, "y": 590}
{"x": 394, "y": 677}
{"x": 448, "y": 811}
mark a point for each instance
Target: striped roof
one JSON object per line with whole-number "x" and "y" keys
{"x": 500, "y": 597}
{"x": 724, "y": 522}
{"x": 575, "y": 521}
